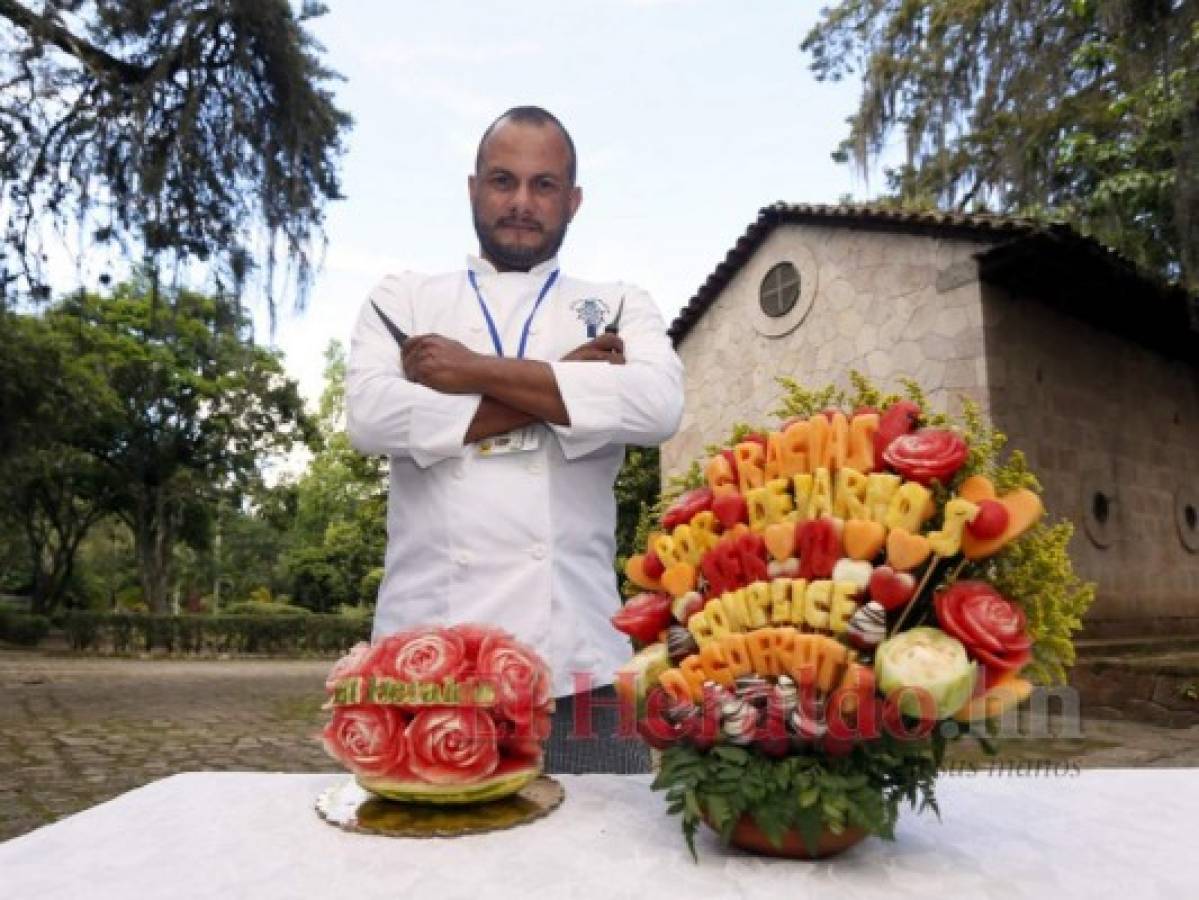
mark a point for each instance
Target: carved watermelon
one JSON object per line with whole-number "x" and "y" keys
{"x": 440, "y": 715}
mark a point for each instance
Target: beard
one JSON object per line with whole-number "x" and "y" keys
{"x": 507, "y": 257}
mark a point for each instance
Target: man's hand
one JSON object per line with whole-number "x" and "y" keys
{"x": 605, "y": 348}
{"x": 441, "y": 364}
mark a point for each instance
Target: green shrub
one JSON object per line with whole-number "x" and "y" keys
{"x": 264, "y": 608}
{"x": 130, "y": 599}
{"x": 271, "y": 634}
{"x": 24, "y": 629}
{"x": 82, "y": 629}
{"x": 355, "y": 612}
{"x": 368, "y": 586}
{"x": 260, "y": 594}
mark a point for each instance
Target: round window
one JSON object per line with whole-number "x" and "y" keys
{"x": 780, "y": 290}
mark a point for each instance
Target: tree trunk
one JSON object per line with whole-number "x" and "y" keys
{"x": 153, "y": 533}
{"x": 56, "y": 520}
{"x": 36, "y": 542}
{"x": 40, "y": 599}
{"x": 63, "y": 565}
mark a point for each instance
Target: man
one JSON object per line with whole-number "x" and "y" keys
{"x": 505, "y": 415}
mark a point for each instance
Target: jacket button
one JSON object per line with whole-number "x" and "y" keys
{"x": 462, "y": 559}
{"x": 537, "y": 551}
{"x": 459, "y": 471}
{"x": 535, "y": 467}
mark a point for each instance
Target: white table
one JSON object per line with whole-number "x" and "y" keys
{"x": 1102, "y": 833}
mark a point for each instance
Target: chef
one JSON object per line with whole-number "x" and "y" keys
{"x": 503, "y": 394}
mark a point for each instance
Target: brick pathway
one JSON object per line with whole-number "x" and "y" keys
{"x": 75, "y": 731}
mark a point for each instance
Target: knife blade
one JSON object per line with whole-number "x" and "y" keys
{"x": 613, "y": 327}
{"x": 391, "y": 326}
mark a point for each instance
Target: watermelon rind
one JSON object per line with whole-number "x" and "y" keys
{"x": 494, "y": 788}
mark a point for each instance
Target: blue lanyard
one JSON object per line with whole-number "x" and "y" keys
{"x": 524, "y": 335}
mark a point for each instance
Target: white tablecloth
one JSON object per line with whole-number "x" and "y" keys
{"x": 1102, "y": 833}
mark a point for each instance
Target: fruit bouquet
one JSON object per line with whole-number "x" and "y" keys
{"x": 823, "y": 605}
{"x": 440, "y": 715}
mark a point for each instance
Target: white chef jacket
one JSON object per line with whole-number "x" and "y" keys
{"x": 526, "y": 540}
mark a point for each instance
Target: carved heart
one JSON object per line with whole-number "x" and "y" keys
{"x": 634, "y": 570}
{"x": 679, "y": 579}
{"x": 780, "y": 539}
{"x": 1024, "y": 510}
{"x": 976, "y": 488}
{"x": 905, "y": 551}
{"x": 863, "y": 538}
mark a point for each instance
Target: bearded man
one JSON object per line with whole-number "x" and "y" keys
{"x": 504, "y": 395}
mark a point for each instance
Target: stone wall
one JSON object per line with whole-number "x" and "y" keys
{"x": 885, "y": 304}
{"x": 1113, "y": 429}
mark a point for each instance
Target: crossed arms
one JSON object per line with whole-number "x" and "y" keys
{"x": 514, "y": 392}
{"x": 436, "y": 396}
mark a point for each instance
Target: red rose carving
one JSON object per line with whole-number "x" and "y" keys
{"x": 427, "y": 656}
{"x": 897, "y": 419}
{"x": 450, "y": 746}
{"x": 929, "y": 453}
{"x": 524, "y": 739}
{"x": 521, "y": 679}
{"x": 991, "y": 627}
{"x": 368, "y": 740}
{"x": 472, "y": 637}
{"x": 353, "y": 663}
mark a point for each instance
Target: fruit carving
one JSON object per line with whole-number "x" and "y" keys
{"x": 824, "y": 592}
{"x": 440, "y": 715}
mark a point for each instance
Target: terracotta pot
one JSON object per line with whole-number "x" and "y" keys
{"x": 748, "y": 836}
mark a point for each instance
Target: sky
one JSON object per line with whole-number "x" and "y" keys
{"x": 688, "y": 116}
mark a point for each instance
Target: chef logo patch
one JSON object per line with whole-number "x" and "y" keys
{"x": 592, "y": 312}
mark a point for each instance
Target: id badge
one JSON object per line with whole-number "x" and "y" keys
{"x": 519, "y": 440}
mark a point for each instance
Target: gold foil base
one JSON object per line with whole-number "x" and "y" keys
{"x": 350, "y": 808}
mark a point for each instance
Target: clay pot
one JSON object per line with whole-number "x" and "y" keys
{"x": 748, "y": 836}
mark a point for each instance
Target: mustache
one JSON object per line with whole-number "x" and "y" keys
{"x": 514, "y": 222}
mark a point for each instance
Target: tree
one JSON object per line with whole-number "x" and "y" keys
{"x": 57, "y": 495}
{"x": 340, "y": 525}
{"x": 195, "y": 408}
{"x": 249, "y": 553}
{"x": 107, "y": 565}
{"x": 1086, "y": 110}
{"x": 184, "y": 130}
{"x": 50, "y": 492}
{"x": 637, "y": 487}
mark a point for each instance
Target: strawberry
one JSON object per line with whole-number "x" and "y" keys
{"x": 652, "y": 565}
{"x": 990, "y": 522}
{"x": 891, "y": 589}
{"x": 730, "y": 509}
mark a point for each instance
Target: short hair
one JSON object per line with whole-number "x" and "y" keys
{"x": 532, "y": 115}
